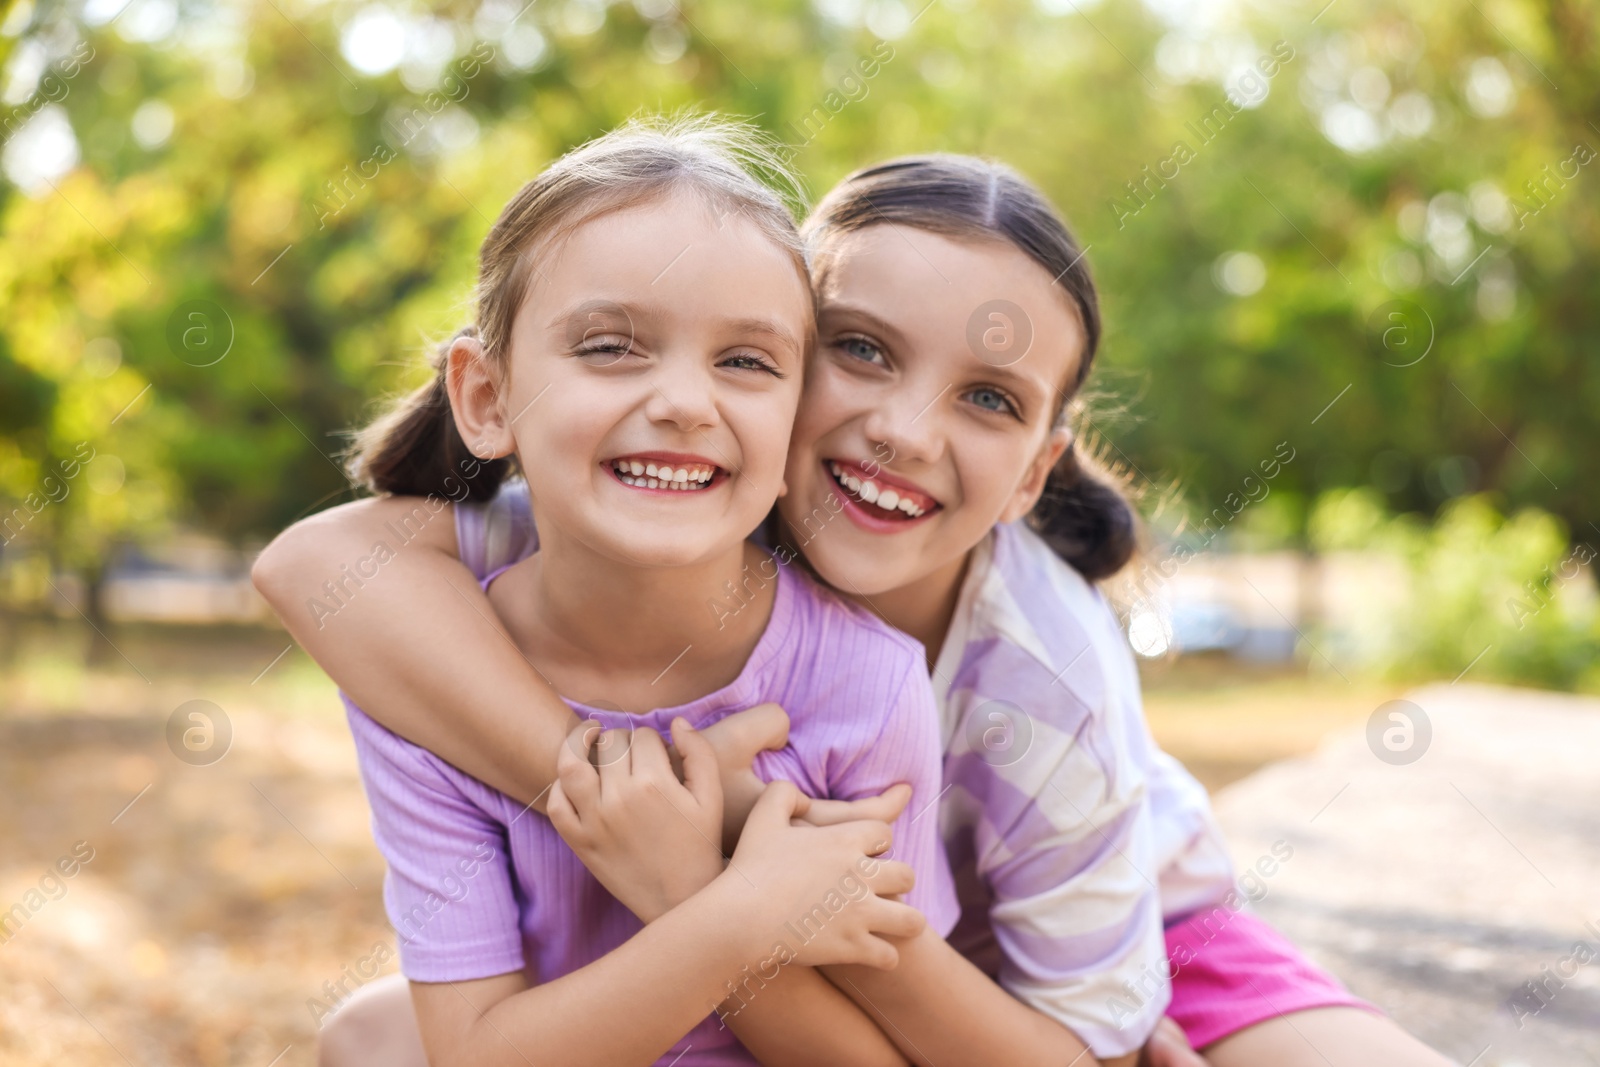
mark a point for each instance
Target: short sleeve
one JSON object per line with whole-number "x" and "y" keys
{"x": 909, "y": 750}
{"x": 497, "y": 532}
{"x": 449, "y": 891}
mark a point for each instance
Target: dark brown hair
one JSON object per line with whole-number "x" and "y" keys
{"x": 414, "y": 447}
{"x": 1084, "y": 513}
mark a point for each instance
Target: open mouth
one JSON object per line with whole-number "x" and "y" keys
{"x": 878, "y": 497}
{"x": 677, "y": 474}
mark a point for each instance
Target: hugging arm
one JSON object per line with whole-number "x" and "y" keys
{"x": 436, "y": 831}
{"x": 418, "y": 645}
{"x": 434, "y": 835}
{"x": 650, "y": 840}
{"x": 935, "y": 1005}
{"x": 375, "y": 592}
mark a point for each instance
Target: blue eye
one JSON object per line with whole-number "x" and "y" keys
{"x": 862, "y": 349}
{"x": 992, "y": 400}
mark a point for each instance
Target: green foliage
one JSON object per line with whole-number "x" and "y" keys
{"x": 328, "y": 220}
{"x": 1504, "y": 596}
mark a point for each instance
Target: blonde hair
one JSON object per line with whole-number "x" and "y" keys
{"x": 413, "y": 448}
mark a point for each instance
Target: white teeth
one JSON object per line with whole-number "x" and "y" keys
{"x": 649, "y": 476}
{"x": 888, "y": 499}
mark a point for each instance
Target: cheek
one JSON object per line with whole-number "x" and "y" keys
{"x": 832, "y": 401}
{"x": 989, "y": 471}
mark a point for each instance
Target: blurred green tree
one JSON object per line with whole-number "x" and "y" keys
{"x": 1367, "y": 230}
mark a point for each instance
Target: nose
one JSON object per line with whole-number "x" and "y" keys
{"x": 682, "y": 396}
{"x": 911, "y": 421}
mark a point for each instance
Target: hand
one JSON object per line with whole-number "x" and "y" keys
{"x": 648, "y": 839}
{"x": 1169, "y": 1047}
{"x": 736, "y": 740}
{"x": 817, "y": 895}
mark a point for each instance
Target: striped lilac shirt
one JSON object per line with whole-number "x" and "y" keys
{"x": 478, "y": 886}
{"x": 1072, "y": 835}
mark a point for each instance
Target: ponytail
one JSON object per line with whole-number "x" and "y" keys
{"x": 1086, "y": 516}
{"x": 414, "y": 448}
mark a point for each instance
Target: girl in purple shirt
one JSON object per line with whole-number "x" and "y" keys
{"x": 646, "y": 301}
{"x": 957, "y": 322}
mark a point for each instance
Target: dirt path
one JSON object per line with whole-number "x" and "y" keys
{"x": 220, "y": 902}
{"x": 1438, "y": 888}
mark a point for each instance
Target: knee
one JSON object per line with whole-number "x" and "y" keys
{"x": 375, "y": 1026}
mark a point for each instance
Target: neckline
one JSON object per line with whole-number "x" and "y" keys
{"x": 979, "y": 566}
{"x": 737, "y": 694}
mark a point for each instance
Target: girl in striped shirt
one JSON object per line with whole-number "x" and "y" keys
{"x": 652, "y": 295}
{"x": 933, "y": 478}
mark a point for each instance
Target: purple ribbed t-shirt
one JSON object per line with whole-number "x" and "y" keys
{"x": 1072, "y": 836}
{"x": 477, "y": 886}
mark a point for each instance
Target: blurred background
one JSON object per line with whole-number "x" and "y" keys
{"x": 1348, "y": 258}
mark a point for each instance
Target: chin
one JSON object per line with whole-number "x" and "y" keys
{"x": 851, "y": 572}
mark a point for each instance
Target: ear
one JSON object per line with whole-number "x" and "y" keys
{"x": 474, "y": 386}
{"x": 1033, "y": 482}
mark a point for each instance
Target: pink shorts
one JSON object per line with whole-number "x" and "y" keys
{"x": 1231, "y": 970}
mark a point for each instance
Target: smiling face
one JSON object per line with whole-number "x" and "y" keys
{"x": 651, "y": 383}
{"x": 929, "y": 405}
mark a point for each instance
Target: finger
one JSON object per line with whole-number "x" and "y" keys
{"x": 872, "y": 837}
{"x": 891, "y": 878}
{"x": 574, "y": 775}
{"x": 890, "y": 918}
{"x": 885, "y": 807}
{"x": 677, "y": 761}
{"x": 741, "y": 735}
{"x": 562, "y": 815}
{"x": 648, "y": 757}
{"x": 614, "y": 769}
{"x": 779, "y": 802}
{"x": 878, "y": 954}
{"x": 700, "y": 775}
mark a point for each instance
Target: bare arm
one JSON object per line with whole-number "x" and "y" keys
{"x": 408, "y": 632}
{"x": 940, "y": 1009}
{"x": 649, "y": 840}
{"x": 668, "y": 976}
{"x": 664, "y": 978}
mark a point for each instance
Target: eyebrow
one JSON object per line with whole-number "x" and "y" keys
{"x": 888, "y": 329}
{"x": 644, "y": 312}
{"x": 1013, "y": 377}
{"x": 768, "y": 328}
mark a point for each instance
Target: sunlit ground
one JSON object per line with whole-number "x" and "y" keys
{"x": 221, "y": 899}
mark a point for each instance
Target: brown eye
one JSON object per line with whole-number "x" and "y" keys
{"x": 605, "y": 349}
{"x": 751, "y": 361}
